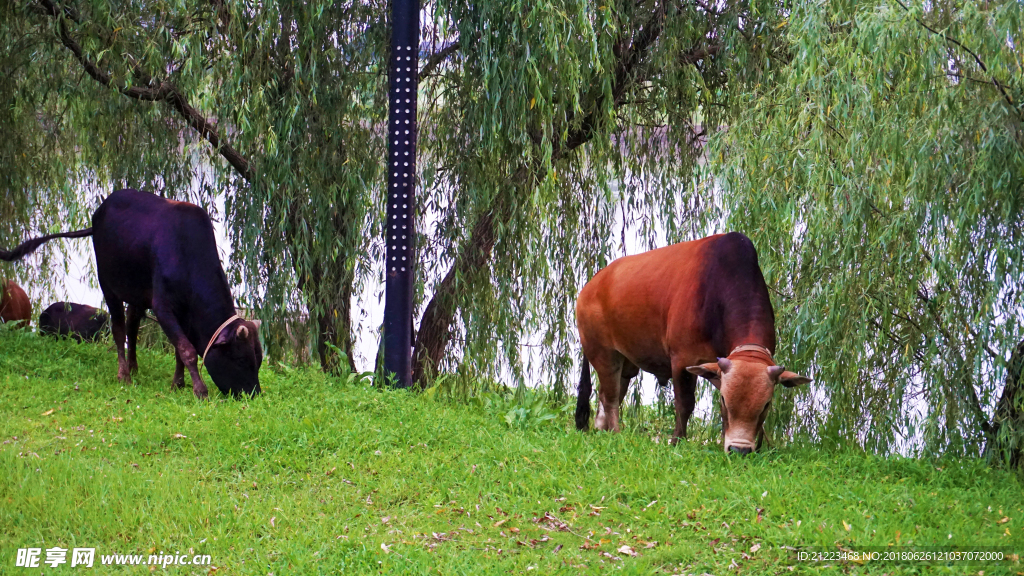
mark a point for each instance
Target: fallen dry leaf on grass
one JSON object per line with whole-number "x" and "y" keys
{"x": 627, "y": 550}
{"x": 177, "y": 435}
{"x": 552, "y": 522}
{"x": 50, "y": 411}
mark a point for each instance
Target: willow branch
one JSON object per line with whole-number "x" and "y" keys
{"x": 161, "y": 92}
{"x": 986, "y": 424}
{"x": 438, "y": 58}
{"x": 977, "y": 59}
{"x": 626, "y": 74}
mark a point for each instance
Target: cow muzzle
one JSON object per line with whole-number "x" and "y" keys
{"x": 743, "y": 451}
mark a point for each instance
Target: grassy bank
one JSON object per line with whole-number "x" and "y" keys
{"x": 320, "y": 475}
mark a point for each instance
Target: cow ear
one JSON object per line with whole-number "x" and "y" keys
{"x": 711, "y": 371}
{"x": 786, "y": 378}
{"x": 259, "y": 351}
{"x": 223, "y": 338}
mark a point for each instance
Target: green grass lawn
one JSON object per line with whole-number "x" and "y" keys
{"x": 322, "y": 476}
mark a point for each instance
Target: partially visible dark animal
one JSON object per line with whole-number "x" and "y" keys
{"x": 159, "y": 254}
{"x": 697, "y": 308}
{"x": 14, "y": 304}
{"x": 78, "y": 321}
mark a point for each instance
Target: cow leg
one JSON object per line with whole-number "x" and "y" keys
{"x": 684, "y": 386}
{"x": 179, "y": 372}
{"x": 135, "y": 315}
{"x": 609, "y": 381}
{"x": 629, "y": 371}
{"x": 184, "y": 350}
{"x": 117, "y": 330}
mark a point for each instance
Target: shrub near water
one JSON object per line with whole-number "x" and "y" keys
{"x": 322, "y": 475}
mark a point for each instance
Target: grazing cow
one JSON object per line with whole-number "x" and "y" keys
{"x": 14, "y": 304}
{"x": 697, "y": 308}
{"x": 77, "y": 321}
{"x": 159, "y": 254}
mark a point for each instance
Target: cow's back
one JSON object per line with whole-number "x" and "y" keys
{"x": 675, "y": 304}
{"x": 14, "y": 303}
{"x": 136, "y": 234}
{"x": 79, "y": 321}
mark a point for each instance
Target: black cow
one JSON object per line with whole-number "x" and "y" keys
{"x": 77, "y": 321}
{"x": 159, "y": 254}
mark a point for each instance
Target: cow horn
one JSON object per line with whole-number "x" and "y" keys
{"x": 724, "y": 364}
{"x": 775, "y": 371}
{"x": 242, "y": 332}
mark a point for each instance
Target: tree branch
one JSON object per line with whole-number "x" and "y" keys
{"x": 162, "y": 92}
{"x": 986, "y": 424}
{"x": 698, "y": 53}
{"x": 977, "y": 59}
{"x": 626, "y": 70}
{"x": 438, "y": 58}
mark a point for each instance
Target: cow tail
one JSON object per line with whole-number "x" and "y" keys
{"x": 29, "y": 246}
{"x": 583, "y": 397}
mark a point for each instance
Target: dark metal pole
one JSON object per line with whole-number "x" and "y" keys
{"x": 400, "y": 232}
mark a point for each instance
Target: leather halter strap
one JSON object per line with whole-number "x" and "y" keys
{"x": 217, "y": 333}
{"x": 753, "y": 348}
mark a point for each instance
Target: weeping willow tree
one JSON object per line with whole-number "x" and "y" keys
{"x": 539, "y": 122}
{"x": 872, "y": 152}
{"x": 880, "y": 175}
{"x": 275, "y": 109}
{"x": 543, "y": 121}
{"x": 60, "y": 138}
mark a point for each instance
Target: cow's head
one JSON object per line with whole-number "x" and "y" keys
{"x": 746, "y": 387}
{"x": 234, "y": 359}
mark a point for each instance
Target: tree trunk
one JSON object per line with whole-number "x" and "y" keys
{"x": 471, "y": 265}
{"x": 474, "y": 260}
{"x": 1006, "y": 433}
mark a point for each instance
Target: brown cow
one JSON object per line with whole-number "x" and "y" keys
{"x": 14, "y": 304}
{"x": 697, "y": 308}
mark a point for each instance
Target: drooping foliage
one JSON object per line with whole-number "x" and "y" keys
{"x": 273, "y": 108}
{"x": 540, "y": 122}
{"x": 62, "y": 140}
{"x": 551, "y": 123}
{"x": 871, "y": 151}
{"x": 880, "y": 175}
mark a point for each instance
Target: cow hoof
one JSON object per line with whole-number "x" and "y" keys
{"x": 177, "y": 383}
{"x": 201, "y": 393}
{"x": 124, "y": 376}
